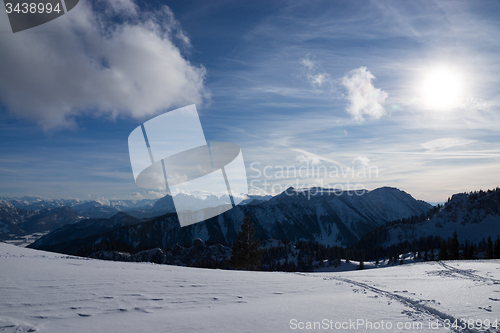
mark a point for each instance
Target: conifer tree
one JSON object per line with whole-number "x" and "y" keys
{"x": 245, "y": 251}
{"x": 496, "y": 249}
{"x": 443, "y": 252}
{"x": 472, "y": 251}
{"x": 465, "y": 253}
{"x": 489, "y": 248}
{"x": 454, "y": 247}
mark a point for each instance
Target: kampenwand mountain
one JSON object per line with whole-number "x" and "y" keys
{"x": 327, "y": 216}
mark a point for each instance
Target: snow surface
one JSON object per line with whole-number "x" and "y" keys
{"x": 49, "y": 292}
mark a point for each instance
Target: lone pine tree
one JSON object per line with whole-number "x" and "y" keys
{"x": 454, "y": 253}
{"x": 489, "y": 249}
{"x": 496, "y": 249}
{"x": 443, "y": 251}
{"x": 245, "y": 251}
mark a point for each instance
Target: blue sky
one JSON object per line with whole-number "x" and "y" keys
{"x": 407, "y": 90}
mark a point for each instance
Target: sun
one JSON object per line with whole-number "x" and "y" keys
{"x": 442, "y": 89}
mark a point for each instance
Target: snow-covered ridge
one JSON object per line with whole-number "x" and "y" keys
{"x": 473, "y": 216}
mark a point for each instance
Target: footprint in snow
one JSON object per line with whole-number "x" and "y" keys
{"x": 485, "y": 309}
{"x": 142, "y": 310}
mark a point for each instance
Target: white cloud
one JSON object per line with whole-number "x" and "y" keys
{"x": 136, "y": 196}
{"x": 319, "y": 79}
{"x": 363, "y": 160}
{"x": 308, "y": 63}
{"x": 474, "y": 105}
{"x": 86, "y": 63}
{"x": 364, "y": 98}
{"x": 313, "y": 159}
{"x": 315, "y": 77}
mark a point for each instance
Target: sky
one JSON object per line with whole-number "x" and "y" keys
{"x": 316, "y": 93}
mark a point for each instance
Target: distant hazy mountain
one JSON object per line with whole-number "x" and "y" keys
{"x": 30, "y": 214}
{"x": 16, "y": 222}
{"x": 329, "y": 217}
{"x": 94, "y": 209}
{"x": 87, "y": 208}
{"x": 193, "y": 202}
{"x": 145, "y": 208}
{"x": 34, "y": 202}
{"x": 10, "y": 217}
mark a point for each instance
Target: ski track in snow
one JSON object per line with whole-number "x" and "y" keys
{"x": 424, "y": 311}
{"x": 465, "y": 273}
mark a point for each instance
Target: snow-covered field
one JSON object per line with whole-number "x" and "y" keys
{"x": 48, "y": 292}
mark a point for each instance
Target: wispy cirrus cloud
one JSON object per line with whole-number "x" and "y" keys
{"x": 445, "y": 143}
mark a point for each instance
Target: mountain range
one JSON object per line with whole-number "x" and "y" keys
{"x": 17, "y": 221}
{"x": 329, "y": 217}
{"x": 30, "y": 214}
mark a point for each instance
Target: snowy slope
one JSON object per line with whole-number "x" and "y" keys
{"x": 472, "y": 217}
{"x": 47, "y": 292}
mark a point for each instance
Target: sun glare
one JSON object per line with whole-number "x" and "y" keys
{"x": 442, "y": 89}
